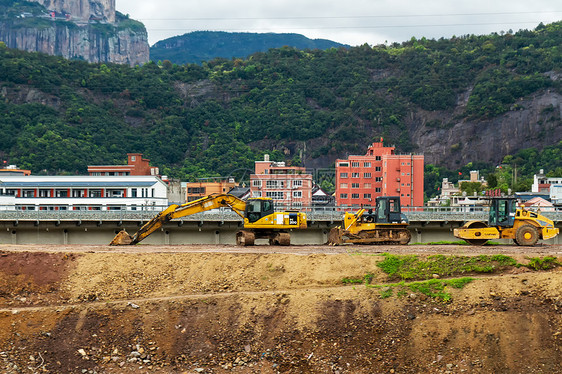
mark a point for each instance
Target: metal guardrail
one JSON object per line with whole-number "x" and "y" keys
{"x": 333, "y": 214}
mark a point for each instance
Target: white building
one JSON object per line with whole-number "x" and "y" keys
{"x": 542, "y": 183}
{"x": 83, "y": 192}
{"x": 556, "y": 194}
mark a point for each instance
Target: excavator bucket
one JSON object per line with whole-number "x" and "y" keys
{"x": 122, "y": 238}
{"x": 335, "y": 236}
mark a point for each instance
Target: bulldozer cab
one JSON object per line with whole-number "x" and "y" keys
{"x": 258, "y": 208}
{"x": 388, "y": 209}
{"x": 502, "y": 212}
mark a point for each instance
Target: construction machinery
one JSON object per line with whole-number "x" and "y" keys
{"x": 260, "y": 219}
{"x": 385, "y": 225}
{"x": 508, "y": 221}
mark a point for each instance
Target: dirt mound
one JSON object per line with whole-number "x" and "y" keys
{"x": 213, "y": 312}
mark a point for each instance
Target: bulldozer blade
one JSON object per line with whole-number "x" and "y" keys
{"x": 335, "y": 236}
{"x": 122, "y": 238}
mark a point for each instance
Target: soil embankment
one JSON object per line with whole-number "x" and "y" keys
{"x": 219, "y": 309}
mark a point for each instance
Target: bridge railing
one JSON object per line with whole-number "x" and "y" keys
{"x": 333, "y": 214}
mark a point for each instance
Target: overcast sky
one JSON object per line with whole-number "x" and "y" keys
{"x": 353, "y": 22}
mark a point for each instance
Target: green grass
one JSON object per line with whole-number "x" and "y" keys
{"x": 433, "y": 288}
{"x": 544, "y": 263}
{"x": 425, "y": 274}
{"x": 412, "y": 267}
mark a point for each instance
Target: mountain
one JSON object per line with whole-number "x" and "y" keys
{"x": 462, "y": 102}
{"x": 199, "y": 46}
{"x": 88, "y": 30}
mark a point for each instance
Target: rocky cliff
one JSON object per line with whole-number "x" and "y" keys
{"x": 83, "y": 9}
{"x": 89, "y": 30}
{"x": 533, "y": 122}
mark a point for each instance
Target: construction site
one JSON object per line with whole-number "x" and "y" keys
{"x": 278, "y": 309}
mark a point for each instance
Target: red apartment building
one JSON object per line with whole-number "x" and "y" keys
{"x": 290, "y": 186}
{"x": 136, "y": 165}
{"x": 381, "y": 172}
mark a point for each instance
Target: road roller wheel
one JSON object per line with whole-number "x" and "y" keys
{"x": 476, "y": 225}
{"x": 526, "y": 235}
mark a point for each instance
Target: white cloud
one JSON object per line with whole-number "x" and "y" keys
{"x": 352, "y": 22}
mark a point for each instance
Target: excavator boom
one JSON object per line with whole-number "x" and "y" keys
{"x": 177, "y": 211}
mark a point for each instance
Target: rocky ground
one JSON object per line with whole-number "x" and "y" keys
{"x": 223, "y": 309}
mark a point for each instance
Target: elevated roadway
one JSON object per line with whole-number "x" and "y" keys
{"x": 427, "y": 224}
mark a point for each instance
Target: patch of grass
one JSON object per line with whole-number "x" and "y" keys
{"x": 386, "y": 293}
{"x": 367, "y": 278}
{"x": 544, "y": 263}
{"x": 412, "y": 267}
{"x": 433, "y": 288}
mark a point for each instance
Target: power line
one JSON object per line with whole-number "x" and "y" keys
{"x": 360, "y": 27}
{"x": 343, "y": 17}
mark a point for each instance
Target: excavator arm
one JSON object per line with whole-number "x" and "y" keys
{"x": 177, "y": 211}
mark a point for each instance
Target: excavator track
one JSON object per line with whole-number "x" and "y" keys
{"x": 245, "y": 238}
{"x": 381, "y": 236}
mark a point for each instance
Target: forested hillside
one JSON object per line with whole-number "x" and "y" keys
{"x": 198, "y": 46}
{"x": 465, "y": 99}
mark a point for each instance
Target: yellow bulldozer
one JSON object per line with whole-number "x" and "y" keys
{"x": 261, "y": 221}
{"x": 508, "y": 221}
{"x": 385, "y": 225}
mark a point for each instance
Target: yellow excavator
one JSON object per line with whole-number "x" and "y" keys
{"x": 386, "y": 225}
{"x": 508, "y": 221}
{"x": 260, "y": 220}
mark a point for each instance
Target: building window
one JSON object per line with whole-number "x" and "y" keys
{"x": 354, "y": 175}
{"x": 77, "y": 193}
{"x": 274, "y": 184}
{"x": 256, "y": 183}
{"x": 44, "y": 193}
{"x": 96, "y": 174}
{"x": 11, "y": 192}
{"x": 344, "y": 164}
{"x": 95, "y": 193}
{"x": 343, "y": 185}
{"x": 378, "y": 179}
{"x": 195, "y": 190}
{"x": 133, "y": 158}
{"x": 367, "y": 164}
{"x": 378, "y": 158}
{"x": 256, "y": 193}
{"x": 366, "y": 175}
{"x": 378, "y": 189}
{"x": 355, "y": 164}
{"x": 355, "y": 196}
{"x": 367, "y": 185}
{"x": 28, "y": 193}
{"x": 343, "y": 196}
{"x": 378, "y": 168}
{"x": 343, "y": 175}
{"x": 297, "y": 194}
{"x": 133, "y": 192}
{"x": 61, "y": 193}
{"x": 354, "y": 185}
{"x": 275, "y": 195}
{"x": 366, "y": 195}
{"x": 297, "y": 183}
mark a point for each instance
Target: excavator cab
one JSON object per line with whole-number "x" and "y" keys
{"x": 502, "y": 212}
{"x": 258, "y": 208}
{"x": 388, "y": 210}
